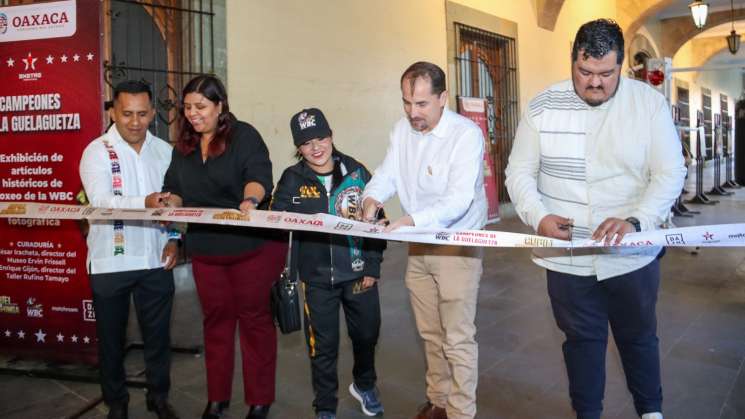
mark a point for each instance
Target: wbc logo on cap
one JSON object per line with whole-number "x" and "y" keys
{"x": 306, "y": 121}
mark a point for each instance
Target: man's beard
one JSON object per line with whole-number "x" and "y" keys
{"x": 418, "y": 124}
{"x": 597, "y": 102}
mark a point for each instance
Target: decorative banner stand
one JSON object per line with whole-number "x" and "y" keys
{"x": 700, "y": 197}
{"x": 717, "y": 160}
{"x": 51, "y": 107}
{"x": 729, "y": 157}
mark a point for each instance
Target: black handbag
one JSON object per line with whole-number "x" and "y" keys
{"x": 285, "y": 300}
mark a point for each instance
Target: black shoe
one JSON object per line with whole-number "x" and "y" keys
{"x": 162, "y": 408}
{"x": 258, "y": 411}
{"x": 215, "y": 410}
{"x": 117, "y": 411}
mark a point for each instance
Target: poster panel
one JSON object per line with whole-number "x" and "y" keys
{"x": 50, "y": 109}
{"x": 474, "y": 108}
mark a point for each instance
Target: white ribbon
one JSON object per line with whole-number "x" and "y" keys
{"x": 722, "y": 235}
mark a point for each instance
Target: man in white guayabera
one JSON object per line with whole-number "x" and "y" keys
{"x": 124, "y": 168}
{"x": 598, "y": 156}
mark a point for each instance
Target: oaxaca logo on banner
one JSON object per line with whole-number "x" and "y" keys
{"x": 38, "y": 21}
{"x": 51, "y": 107}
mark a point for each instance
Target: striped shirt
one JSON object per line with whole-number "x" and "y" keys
{"x": 620, "y": 159}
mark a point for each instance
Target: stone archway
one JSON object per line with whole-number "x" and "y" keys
{"x": 639, "y": 50}
{"x": 677, "y": 31}
{"x": 640, "y": 41}
{"x": 705, "y": 49}
{"x": 631, "y": 14}
{"x": 547, "y": 12}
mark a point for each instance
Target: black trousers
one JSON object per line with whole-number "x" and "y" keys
{"x": 152, "y": 291}
{"x": 362, "y": 314}
{"x": 583, "y": 309}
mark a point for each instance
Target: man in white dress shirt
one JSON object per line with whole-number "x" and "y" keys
{"x": 434, "y": 163}
{"x": 124, "y": 168}
{"x": 598, "y": 156}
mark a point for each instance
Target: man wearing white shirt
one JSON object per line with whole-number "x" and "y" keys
{"x": 434, "y": 163}
{"x": 124, "y": 168}
{"x": 598, "y": 156}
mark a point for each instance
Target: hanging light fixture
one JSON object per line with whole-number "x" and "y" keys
{"x": 733, "y": 39}
{"x": 699, "y": 12}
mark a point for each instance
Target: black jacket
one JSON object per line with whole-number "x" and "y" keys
{"x": 219, "y": 183}
{"x": 321, "y": 258}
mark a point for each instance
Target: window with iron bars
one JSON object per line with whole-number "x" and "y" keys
{"x": 164, "y": 43}
{"x": 486, "y": 67}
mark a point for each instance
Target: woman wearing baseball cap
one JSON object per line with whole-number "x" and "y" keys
{"x": 336, "y": 270}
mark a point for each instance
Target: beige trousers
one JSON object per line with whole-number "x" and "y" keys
{"x": 443, "y": 283}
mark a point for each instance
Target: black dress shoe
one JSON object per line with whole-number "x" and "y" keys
{"x": 162, "y": 408}
{"x": 258, "y": 411}
{"x": 117, "y": 411}
{"x": 215, "y": 410}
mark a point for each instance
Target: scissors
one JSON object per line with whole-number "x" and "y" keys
{"x": 569, "y": 227}
{"x": 376, "y": 219}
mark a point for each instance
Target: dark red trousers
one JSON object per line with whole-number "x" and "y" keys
{"x": 234, "y": 291}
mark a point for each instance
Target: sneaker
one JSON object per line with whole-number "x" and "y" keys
{"x": 325, "y": 415}
{"x": 369, "y": 402}
{"x": 653, "y": 415}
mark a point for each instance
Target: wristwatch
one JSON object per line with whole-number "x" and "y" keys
{"x": 252, "y": 199}
{"x": 635, "y": 222}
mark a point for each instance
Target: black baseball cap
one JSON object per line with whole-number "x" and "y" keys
{"x": 307, "y": 125}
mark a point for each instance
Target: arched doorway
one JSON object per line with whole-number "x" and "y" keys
{"x": 486, "y": 67}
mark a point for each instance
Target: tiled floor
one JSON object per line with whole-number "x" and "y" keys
{"x": 701, "y": 327}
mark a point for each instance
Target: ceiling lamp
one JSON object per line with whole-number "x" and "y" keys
{"x": 733, "y": 42}
{"x": 699, "y": 11}
{"x": 733, "y": 39}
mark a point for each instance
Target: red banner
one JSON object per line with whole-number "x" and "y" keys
{"x": 50, "y": 109}
{"x": 474, "y": 109}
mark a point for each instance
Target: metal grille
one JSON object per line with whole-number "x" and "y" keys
{"x": 486, "y": 67}
{"x": 162, "y": 42}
